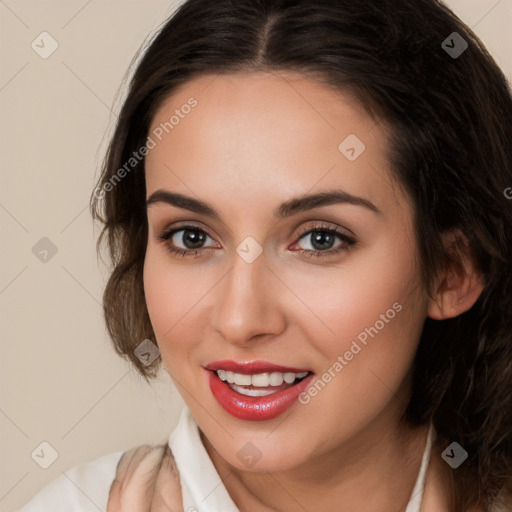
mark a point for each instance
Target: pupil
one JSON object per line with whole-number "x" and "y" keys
{"x": 321, "y": 239}
{"x": 195, "y": 238}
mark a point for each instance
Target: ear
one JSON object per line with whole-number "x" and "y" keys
{"x": 460, "y": 284}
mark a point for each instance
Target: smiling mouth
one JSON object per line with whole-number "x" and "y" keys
{"x": 260, "y": 384}
{"x": 258, "y": 390}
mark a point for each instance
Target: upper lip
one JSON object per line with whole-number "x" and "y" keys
{"x": 251, "y": 367}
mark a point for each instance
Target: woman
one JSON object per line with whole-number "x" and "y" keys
{"x": 306, "y": 209}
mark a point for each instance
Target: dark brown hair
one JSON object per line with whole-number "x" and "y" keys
{"x": 450, "y": 148}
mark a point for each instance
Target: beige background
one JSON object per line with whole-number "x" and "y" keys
{"x": 60, "y": 380}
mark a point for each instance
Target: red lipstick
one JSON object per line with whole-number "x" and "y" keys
{"x": 255, "y": 408}
{"x": 251, "y": 367}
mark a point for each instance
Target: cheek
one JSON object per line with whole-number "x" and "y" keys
{"x": 377, "y": 316}
{"x": 174, "y": 300}
{"x": 164, "y": 298}
{"x": 158, "y": 292}
{"x": 377, "y": 313}
{"x": 375, "y": 290}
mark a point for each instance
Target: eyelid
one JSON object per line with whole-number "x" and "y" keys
{"x": 183, "y": 225}
{"x": 311, "y": 224}
{"x": 307, "y": 228}
{"x": 322, "y": 224}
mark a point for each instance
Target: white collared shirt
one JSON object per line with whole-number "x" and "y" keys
{"x": 85, "y": 488}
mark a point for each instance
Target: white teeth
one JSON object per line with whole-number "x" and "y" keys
{"x": 242, "y": 380}
{"x": 276, "y": 379}
{"x": 251, "y": 392}
{"x": 289, "y": 377}
{"x": 260, "y": 380}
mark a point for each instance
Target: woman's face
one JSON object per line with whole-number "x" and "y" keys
{"x": 266, "y": 280}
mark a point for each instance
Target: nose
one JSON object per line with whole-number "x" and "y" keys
{"x": 248, "y": 305}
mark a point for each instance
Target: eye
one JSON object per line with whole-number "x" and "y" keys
{"x": 191, "y": 237}
{"x": 322, "y": 239}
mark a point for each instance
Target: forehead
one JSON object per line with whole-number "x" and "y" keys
{"x": 265, "y": 135}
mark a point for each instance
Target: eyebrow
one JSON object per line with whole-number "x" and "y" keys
{"x": 286, "y": 209}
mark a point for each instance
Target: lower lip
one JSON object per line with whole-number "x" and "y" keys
{"x": 256, "y": 408}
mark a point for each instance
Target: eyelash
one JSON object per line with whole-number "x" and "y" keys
{"x": 348, "y": 241}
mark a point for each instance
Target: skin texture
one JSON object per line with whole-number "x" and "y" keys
{"x": 252, "y": 142}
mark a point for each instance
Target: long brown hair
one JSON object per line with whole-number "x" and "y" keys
{"x": 451, "y": 149}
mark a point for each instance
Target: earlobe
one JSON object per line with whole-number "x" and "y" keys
{"x": 459, "y": 286}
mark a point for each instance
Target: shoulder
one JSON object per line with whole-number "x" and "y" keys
{"x": 82, "y": 488}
